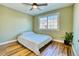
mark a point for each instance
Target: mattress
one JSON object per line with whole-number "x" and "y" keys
{"x": 34, "y": 41}
{"x": 38, "y": 38}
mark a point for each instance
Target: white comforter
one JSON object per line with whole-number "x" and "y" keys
{"x": 34, "y": 41}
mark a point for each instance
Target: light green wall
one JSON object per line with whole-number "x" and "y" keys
{"x": 12, "y": 23}
{"x": 76, "y": 28}
{"x": 65, "y": 22}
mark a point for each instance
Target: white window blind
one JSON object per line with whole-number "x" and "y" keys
{"x": 49, "y": 22}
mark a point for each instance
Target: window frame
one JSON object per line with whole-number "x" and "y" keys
{"x": 58, "y": 21}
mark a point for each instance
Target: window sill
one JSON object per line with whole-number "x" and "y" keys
{"x": 48, "y": 30}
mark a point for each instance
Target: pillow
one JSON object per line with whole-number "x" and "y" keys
{"x": 28, "y": 33}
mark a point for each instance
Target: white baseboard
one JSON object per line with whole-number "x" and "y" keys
{"x": 74, "y": 50}
{"x": 3, "y": 43}
{"x": 58, "y": 40}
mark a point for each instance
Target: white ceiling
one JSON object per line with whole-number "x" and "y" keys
{"x": 26, "y": 8}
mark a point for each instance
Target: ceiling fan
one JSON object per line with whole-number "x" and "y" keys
{"x": 35, "y": 5}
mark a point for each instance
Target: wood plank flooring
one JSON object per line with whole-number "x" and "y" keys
{"x": 52, "y": 49}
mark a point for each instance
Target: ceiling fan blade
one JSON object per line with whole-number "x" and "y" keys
{"x": 27, "y": 4}
{"x": 45, "y": 4}
{"x": 31, "y": 8}
{"x": 38, "y": 8}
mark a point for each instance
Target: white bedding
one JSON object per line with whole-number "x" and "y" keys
{"x": 34, "y": 41}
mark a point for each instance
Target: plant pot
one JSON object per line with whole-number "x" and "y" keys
{"x": 66, "y": 42}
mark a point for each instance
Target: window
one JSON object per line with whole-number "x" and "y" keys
{"x": 49, "y": 22}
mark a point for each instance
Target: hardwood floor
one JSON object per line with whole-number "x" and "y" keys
{"x": 52, "y": 49}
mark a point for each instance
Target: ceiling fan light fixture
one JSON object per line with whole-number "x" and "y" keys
{"x": 34, "y": 7}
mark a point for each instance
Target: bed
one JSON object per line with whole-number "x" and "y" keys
{"x": 34, "y": 41}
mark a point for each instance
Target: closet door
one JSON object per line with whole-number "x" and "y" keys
{"x": 76, "y": 28}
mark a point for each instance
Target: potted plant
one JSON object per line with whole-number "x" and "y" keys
{"x": 68, "y": 38}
